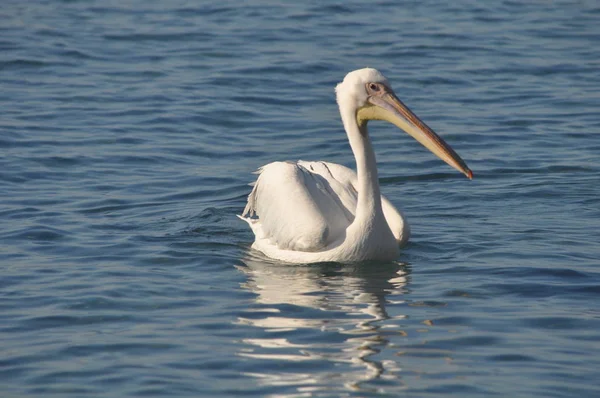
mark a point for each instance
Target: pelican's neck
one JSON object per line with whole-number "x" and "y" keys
{"x": 369, "y": 197}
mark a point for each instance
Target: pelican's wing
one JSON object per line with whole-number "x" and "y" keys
{"x": 347, "y": 178}
{"x": 301, "y": 206}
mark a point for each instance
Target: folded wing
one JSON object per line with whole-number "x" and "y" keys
{"x": 307, "y": 206}
{"x": 300, "y": 206}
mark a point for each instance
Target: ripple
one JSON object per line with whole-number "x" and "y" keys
{"x": 59, "y": 321}
{"x": 23, "y": 63}
{"x": 555, "y": 323}
{"x": 168, "y": 37}
{"x": 38, "y": 234}
{"x": 512, "y": 358}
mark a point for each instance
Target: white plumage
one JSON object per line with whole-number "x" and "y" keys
{"x": 306, "y": 212}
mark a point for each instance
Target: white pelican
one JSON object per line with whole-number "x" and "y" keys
{"x": 307, "y": 212}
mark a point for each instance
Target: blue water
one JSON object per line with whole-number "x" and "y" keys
{"x": 128, "y": 134}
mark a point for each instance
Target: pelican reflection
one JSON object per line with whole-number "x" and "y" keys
{"x": 323, "y": 323}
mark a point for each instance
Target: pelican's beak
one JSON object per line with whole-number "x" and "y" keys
{"x": 386, "y": 106}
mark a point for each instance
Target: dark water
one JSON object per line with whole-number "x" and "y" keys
{"x": 128, "y": 134}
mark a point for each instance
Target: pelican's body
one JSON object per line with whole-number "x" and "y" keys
{"x": 307, "y": 209}
{"x": 306, "y": 212}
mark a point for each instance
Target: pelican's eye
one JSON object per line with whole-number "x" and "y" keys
{"x": 375, "y": 88}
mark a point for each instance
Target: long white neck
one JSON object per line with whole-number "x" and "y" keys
{"x": 369, "y": 197}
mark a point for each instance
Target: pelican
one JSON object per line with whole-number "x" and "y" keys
{"x": 308, "y": 212}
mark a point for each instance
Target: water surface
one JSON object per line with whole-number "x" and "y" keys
{"x": 128, "y": 135}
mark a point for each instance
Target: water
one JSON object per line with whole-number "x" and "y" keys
{"x": 128, "y": 135}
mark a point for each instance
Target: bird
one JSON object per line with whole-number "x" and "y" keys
{"x": 314, "y": 211}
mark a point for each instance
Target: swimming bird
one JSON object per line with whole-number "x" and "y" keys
{"x": 307, "y": 212}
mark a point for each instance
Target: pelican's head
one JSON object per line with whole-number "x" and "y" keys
{"x": 367, "y": 94}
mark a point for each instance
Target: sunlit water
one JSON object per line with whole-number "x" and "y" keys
{"x": 128, "y": 135}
